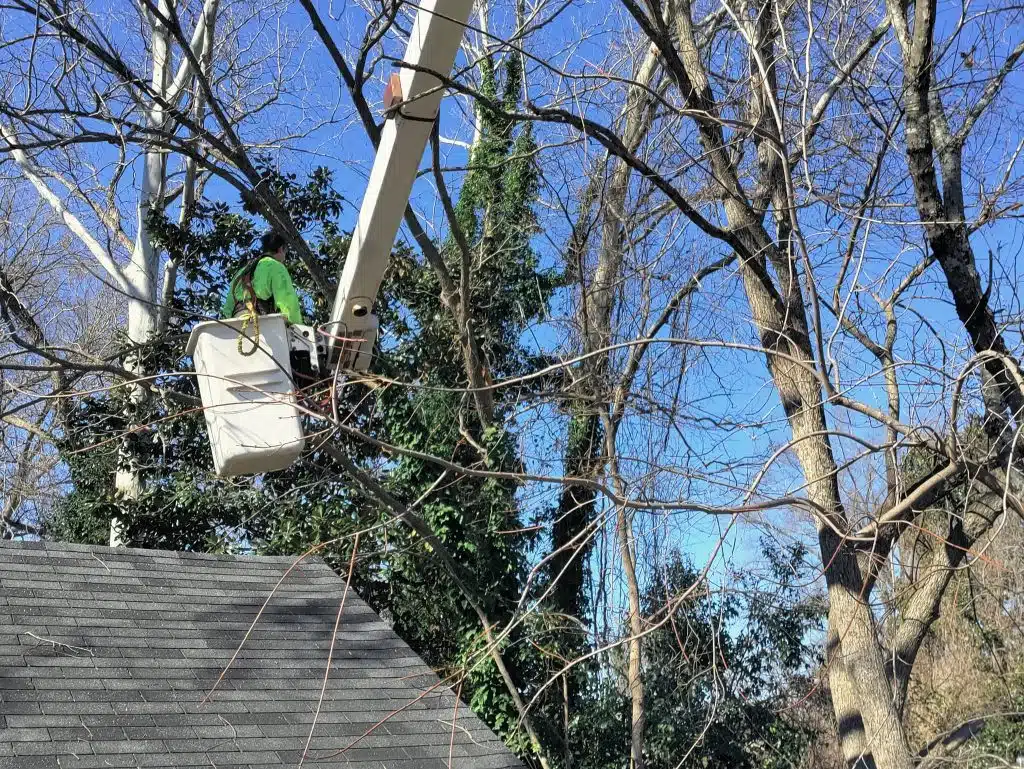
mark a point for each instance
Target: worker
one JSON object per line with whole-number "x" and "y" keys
{"x": 269, "y": 280}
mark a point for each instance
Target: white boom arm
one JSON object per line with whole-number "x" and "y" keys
{"x": 433, "y": 45}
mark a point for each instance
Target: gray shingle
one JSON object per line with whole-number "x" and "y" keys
{"x": 31, "y": 762}
{"x": 125, "y": 644}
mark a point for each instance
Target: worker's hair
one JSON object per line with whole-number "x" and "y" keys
{"x": 271, "y": 242}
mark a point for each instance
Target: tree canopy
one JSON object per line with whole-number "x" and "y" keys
{"x": 691, "y": 433}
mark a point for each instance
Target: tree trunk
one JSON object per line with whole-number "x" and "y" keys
{"x": 853, "y": 740}
{"x": 585, "y": 450}
{"x": 943, "y": 212}
{"x": 191, "y": 183}
{"x": 142, "y": 274}
{"x": 781, "y": 320}
{"x": 570, "y": 538}
{"x": 634, "y": 646}
{"x": 851, "y": 622}
{"x": 922, "y": 609}
{"x": 571, "y": 534}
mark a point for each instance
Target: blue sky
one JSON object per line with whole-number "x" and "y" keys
{"x": 587, "y": 40}
{"x": 733, "y": 383}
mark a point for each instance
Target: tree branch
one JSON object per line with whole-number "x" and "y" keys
{"x": 30, "y": 172}
{"x": 438, "y": 549}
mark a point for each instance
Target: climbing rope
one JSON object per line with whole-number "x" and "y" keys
{"x": 253, "y": 317}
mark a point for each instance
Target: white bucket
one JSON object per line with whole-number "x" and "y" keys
{"x": 252, "y": 418}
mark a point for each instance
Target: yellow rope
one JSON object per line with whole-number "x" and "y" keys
{"x": 255, "y": 318}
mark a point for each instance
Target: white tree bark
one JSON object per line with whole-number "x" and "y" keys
{"x": 202, "y": 49}
{"x": 138, "y": 280}
{"x": 35, "y": 176}
{"x": 143, "y": 270}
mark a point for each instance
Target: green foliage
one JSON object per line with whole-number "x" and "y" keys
{"x": 184, "y": 507}
{"x": 480, "y": 520}
{"x": 716, "y": 673}
{"x": 83, "y": 515}
{"x": 1001, "y": 738}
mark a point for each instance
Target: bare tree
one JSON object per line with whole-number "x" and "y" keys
{"x": 155, "y": 116}
{"x": 749, "y": 338}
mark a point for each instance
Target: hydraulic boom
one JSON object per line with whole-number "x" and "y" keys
{"x": 415, "y": 96}
{"x": 232, "y": 381}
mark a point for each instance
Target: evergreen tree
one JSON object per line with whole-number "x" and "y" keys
{"x": 184, "y": 507}
{"x": 717, "y": 675}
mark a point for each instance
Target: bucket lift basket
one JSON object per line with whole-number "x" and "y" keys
{"x": 252, "y": 417}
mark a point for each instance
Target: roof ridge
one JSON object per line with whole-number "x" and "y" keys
{"x": 54, "y": 546}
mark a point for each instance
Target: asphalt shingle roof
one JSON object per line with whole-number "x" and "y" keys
{"x": 106, "y": 654}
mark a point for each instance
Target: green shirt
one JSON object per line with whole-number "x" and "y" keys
{"x": 270, "y": 280}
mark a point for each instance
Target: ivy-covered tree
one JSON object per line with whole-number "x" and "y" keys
{"x": 480, "y": 520}
{"x": 505, "y": 290}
